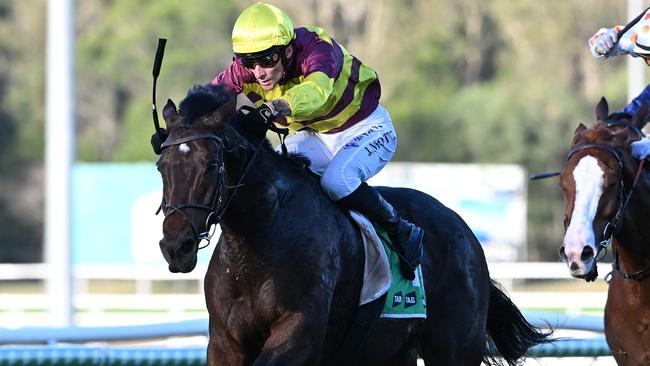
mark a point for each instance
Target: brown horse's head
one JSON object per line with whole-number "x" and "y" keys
{"x": 592, "y": 182}
{"x": 191, "y": 166}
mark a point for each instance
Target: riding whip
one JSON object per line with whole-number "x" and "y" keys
{"x": 155, "y": 72}
{"x": 627, "y": 27}
{"x": 631, "y": 24}
{"x": 543, "y": 175}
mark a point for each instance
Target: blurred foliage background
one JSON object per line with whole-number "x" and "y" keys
{"x": 491, "y": 81}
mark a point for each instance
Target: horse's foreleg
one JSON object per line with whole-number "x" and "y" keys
{"x": 223, "y": 350}
{"x": 294, "y": 340}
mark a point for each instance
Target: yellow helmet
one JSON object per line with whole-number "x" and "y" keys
{"x": 260, "y": 27}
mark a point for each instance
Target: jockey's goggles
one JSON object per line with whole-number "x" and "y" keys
{"x": 265, "y": 59}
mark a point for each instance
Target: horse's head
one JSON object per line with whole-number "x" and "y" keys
{"x": 191, "y": 166}
{"x": 592, "y": 182}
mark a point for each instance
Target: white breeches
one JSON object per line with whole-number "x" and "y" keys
{"x": 346, "y": 159}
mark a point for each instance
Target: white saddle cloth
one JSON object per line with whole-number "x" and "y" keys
{"x": 376, "y": 273}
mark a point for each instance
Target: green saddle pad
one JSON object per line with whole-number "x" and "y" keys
{"x": 406, "y": 299}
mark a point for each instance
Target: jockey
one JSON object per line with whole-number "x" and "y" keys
{"x": 330, "y": 99}
{"x": 636, "y": 43}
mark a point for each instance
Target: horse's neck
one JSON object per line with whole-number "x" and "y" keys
{"x": 270, "y": 220}
{"x": 254, "y": 199}
{"x": 270, "y": 190}
{"x": 634, "y": 235}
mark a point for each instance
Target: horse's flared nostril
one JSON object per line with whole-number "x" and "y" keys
{"x": 574, "y": 266}
{"x": 562, "y": 253}
{"x": 587, "y": 254}
{"x": 187, "y": 247}
{"x": 163, "y": 249}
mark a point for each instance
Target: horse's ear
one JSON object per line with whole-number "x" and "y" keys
{"x": 580, "y": 127}
{"x": 169, "y": 112}
{"x": 641, "y": 116}
{"x": 602, "y": 110}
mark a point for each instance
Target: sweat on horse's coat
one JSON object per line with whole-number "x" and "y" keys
{"x": 284, "y": 281}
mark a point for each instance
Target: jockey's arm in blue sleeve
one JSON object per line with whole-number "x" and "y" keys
{"x": 635, "y": 104}
{"x": 641, "y": 148}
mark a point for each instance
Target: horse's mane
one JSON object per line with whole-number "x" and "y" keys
{"x": 619, "y": 119}
{"x": 203, "y": 99}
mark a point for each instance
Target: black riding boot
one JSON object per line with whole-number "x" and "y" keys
{"x": 406, "y": 237}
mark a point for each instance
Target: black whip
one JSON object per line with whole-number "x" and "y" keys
{"x": 155, "y": 72}
{"x": 543, "y": 175}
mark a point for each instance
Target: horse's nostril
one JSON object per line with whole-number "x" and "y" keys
{"x": 574, "y": 266}
{"x": 562, "y": 253}
{"x": 587, "y": 254}
{"x": 187, "y": 247}
{"x": 163, "y": 249}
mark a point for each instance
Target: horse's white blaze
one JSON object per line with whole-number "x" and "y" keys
{"x": 184, "y": 148}
{"x": 589, "y": 178}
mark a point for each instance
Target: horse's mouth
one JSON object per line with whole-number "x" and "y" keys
{"x": 183, "y": 265}
{"x": 583, "y": 270}
{"x": 181, "y": 258}
{"x": 581, "y": 265}
{"x": 589, "y": 276}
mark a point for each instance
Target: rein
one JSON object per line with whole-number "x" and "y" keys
{"x": 216, "y": 209}
{"x": 645, "y": 272}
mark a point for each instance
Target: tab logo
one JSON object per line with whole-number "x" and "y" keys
{"x": 410, "y": 299}
{"x": 397, "y": 299}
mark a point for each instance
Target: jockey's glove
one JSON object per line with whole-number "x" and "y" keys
{"x": 254, "y": 122}
{"x": 157, "y": 139}
{"x": 279, "y": 107}
{"x": 641, "y": 148}
{"x": 601, "y": 43}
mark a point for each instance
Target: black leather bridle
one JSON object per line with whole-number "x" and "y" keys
{"x": 624, "y": 200}
{"x": 218, "y": 204}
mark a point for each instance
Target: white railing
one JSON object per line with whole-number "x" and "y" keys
{"x": 142, "y": 304}
{"x": 39, "y": 271}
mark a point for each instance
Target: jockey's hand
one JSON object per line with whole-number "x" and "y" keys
{"x": 601, "y": 43}
{"x": 641, "y": 148}
{"x": 255, "y": 121}
{"x": 280, "y": 107}
{"x": 157, "y": 139}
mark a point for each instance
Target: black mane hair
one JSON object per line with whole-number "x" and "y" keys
{"x": 619, "y": 117}
{"x": 203, "y": 99}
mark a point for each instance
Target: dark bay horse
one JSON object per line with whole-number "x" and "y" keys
{"x": 607, "y": 199}
{"x": 283, "y": 284}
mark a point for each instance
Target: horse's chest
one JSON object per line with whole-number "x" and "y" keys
{"x": 242, "y": 304}
{"x": 627, "y": 323}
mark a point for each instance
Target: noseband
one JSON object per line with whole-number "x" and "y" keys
{"x": 217, "y": 207}
{"x": 623, "y": 201}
